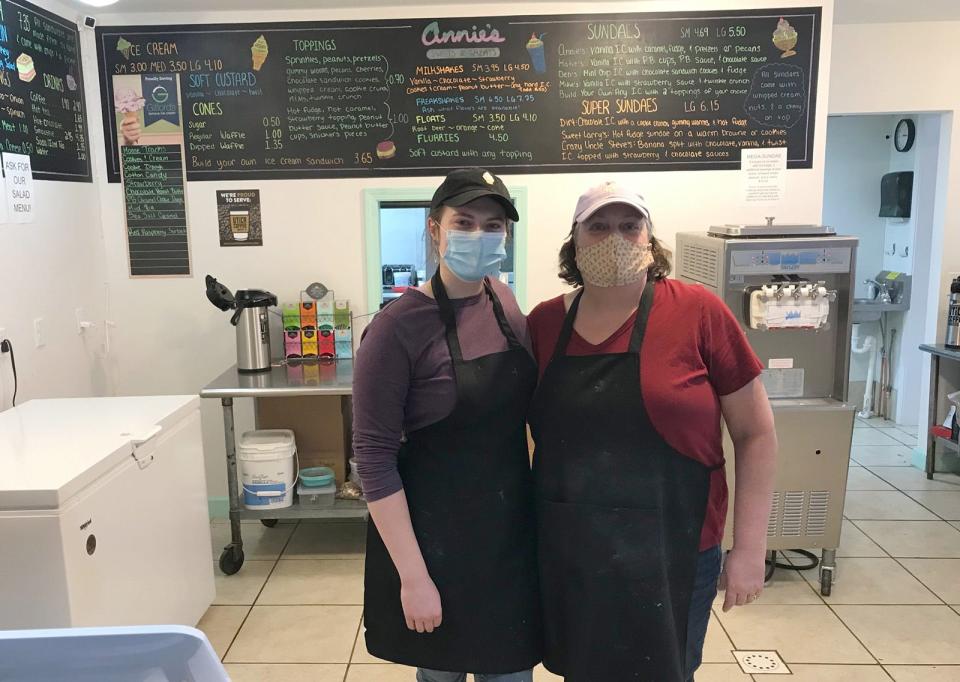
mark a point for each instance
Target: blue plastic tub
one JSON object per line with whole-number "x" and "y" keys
{"x": 167, "y": 653}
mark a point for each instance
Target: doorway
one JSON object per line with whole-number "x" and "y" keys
{"x": 861, "y": 150}
{"x": 398, "y": 249}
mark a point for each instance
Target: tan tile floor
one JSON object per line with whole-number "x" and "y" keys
{"x": 294, "y": 612}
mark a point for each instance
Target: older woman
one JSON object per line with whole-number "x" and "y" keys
{"x": 635, "y": 373}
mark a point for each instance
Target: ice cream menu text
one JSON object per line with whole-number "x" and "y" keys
{"x": 156, "y": 211}
{"x": 535, "y": 94}
{"x": 41, "y": 92}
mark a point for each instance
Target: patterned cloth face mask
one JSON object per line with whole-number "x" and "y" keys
{"x": 614, "y": 262}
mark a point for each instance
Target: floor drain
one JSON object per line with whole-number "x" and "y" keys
{"x": 761, "y": 663}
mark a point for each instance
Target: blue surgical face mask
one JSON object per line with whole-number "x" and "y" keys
{"x": 473, "y": 255}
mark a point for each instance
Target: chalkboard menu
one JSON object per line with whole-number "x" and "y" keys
{"x": 156, "y": 212}
{"x": 41, "y": 92}
{"x": 541, "y": 94}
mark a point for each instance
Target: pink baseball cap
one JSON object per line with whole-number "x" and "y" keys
{"x": 608, "y": 193}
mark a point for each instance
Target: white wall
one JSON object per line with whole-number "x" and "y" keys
{"x": 49, "y": 268}
{"x": 899, "y": 234}
{"x": 857, "y": 156}
{"x": 859, "y": 151}
{"x": 170, "y": 339}
{"x": 908, "y": 67}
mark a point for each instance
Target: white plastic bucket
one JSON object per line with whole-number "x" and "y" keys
{"x": 268, "y": 470}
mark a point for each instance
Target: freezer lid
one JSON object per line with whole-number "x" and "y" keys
{"x": 812, "y": 404}
{"x": 52, "y": 449}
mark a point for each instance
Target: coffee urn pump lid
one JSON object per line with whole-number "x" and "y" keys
{"x": 255, "y": 298}
{"x": 955, "y": 286}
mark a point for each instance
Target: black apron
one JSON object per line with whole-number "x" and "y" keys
{"x": 469, "y": 486}
{"x": 620, "y": 515}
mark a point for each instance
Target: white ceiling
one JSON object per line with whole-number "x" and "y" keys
{"x": 847, "y": 11}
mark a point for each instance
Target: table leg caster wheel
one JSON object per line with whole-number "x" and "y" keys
{"x": 231, "y": 559}
{"x": 269, "y": 523}
{"x": 826, "y": 582}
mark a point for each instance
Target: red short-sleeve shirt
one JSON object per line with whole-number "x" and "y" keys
{"x": 694, "y": 352}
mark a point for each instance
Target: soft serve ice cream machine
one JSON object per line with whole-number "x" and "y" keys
{"x": 791, "y": 288}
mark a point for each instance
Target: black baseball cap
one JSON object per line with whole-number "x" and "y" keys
{"x": 464, "y": 185}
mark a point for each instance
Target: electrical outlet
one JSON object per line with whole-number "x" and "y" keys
{"x": 3, "y": 333}
{"x": 38, "y": 337}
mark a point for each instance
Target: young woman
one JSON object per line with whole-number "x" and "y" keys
{"x": 636, "y": 371}
{"x": 442, "y": 386}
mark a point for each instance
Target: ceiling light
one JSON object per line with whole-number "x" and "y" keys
{"x": 99, "y": 3}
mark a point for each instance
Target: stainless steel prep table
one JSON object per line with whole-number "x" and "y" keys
{"x": 937, "y": 353}
{"x": 279, "y": 383}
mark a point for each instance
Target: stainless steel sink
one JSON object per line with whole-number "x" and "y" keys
{"x": 870, "y": 309}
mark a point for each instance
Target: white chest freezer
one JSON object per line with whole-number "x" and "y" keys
{"x": 103, "y": 513}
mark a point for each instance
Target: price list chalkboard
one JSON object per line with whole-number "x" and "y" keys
{"x": 41, "y": 92}
{"x": 567, "y": 93}
{"x": 153, "y": 193}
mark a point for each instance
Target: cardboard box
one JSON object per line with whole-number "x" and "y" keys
{"x": 317, "y": 425}
{"x": 314, "y": 458}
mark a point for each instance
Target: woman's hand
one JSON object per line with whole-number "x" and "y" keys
{"x": 131, "y": 131}
{"x": 421, "y": 604}
{"x": 742, "y": 577}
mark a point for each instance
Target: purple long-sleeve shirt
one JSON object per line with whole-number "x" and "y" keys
{"x": 403, "y": 374}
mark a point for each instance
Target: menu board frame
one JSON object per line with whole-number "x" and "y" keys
{"x": 86, "y": 175}
{"x": 107, "y": 37}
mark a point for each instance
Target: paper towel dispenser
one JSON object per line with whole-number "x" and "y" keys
{"x": 896, "y": 195}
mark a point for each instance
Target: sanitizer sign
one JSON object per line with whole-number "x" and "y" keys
{"x": 18, "y": 184}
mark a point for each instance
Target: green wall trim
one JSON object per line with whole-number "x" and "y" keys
{"x": 218, "y": 507}
{"x": 372, "y": 198}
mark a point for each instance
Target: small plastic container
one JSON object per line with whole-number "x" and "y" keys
{"x": 317, "y": 498}
{"x": 316, "y": 477}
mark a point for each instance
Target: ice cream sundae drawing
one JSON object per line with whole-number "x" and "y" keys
{"x": 123, "y": 47}
{"x": 785, "y": 38}
{"x": 537, "y": 55}
{"x": 25, "y": 69}
{"x": 259, "y": 51}
{"x": 386, "y": 150}
{"x": 128, "y": 103}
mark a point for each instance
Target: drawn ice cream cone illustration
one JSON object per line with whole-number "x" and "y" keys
{"x": 259, "y": 51}
{"x": 123, "y": 47}
{"x": 25, "y": 70}
{"x": 537, "y": 54}
{"x": 785, "y": 38}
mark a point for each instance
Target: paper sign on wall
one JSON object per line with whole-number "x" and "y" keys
{"x": 239, "y": 216}
{"x": 18, "y": 188}
{"x": 764, "y": 174}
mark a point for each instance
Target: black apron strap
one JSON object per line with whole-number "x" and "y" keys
{"x": 643, "y": 314}
{"x": 639, "y": 326}
{"x": 567, "y": 330}
{"x": 449, "y": 317}
{"x": 501, "y": 316}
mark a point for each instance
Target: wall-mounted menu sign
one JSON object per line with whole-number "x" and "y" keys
{"x": 157, "y": 238}
{"x": 570, "y": 93}
{"x": 41, "y": 92}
